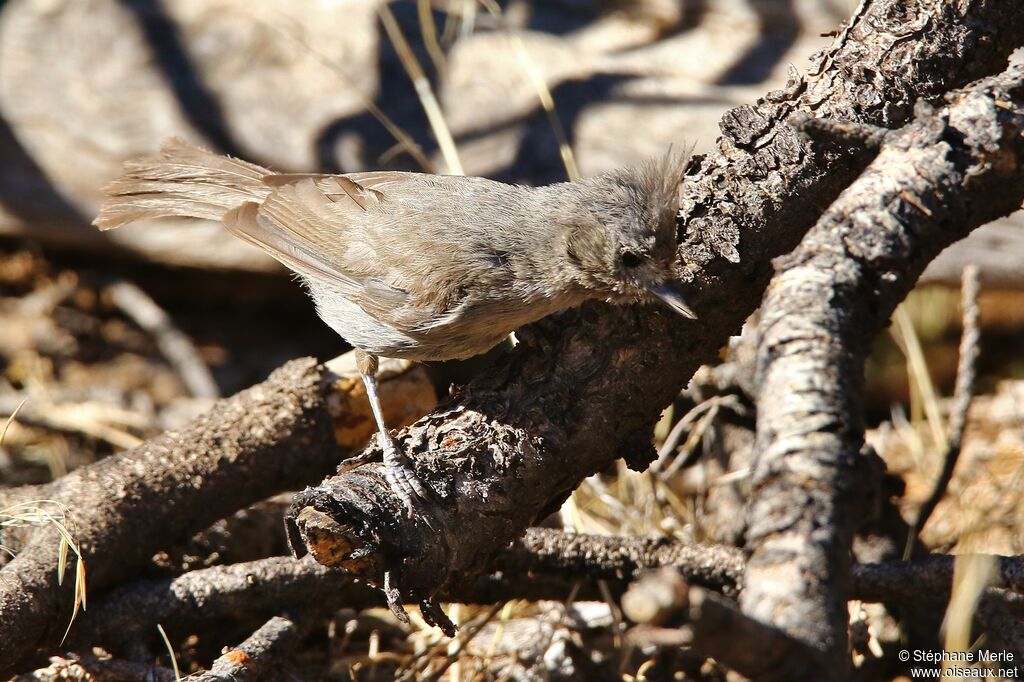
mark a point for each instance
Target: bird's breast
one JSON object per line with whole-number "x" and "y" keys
{"x": 471, "y": 327}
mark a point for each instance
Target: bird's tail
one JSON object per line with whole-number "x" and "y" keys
{"x": 181, "y": 180}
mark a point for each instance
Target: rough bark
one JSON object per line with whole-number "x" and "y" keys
{"x": 544, "y": 564}
{"x": 620, "y": 558}
{"x": 935, "y": 180}
{"x": 276, "y": 436}
{"x": 207, "y": 70}
{"x": 196, "y": 601}
{"x": 257, "y": 657}
{"x": 172, "y": 78}
{"x": 586, "y": 386}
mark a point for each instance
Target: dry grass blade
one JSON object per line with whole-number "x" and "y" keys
{"x": 3, "y": 434}
{"x": 423, "y": 90}
{"x": 402, "y": 138}
{"x": 972, "y": 573}
{"x": 170, "y": 652}
{"x": 57, "y": 515}
{"x": 10, "y": 419}
{"x": 547, "y": 101}
{"x": 921, "y": 382}
{"x": 429, "y": 31}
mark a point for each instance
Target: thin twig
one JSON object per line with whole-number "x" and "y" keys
{"x": 963, "y": 393}
{"x": 254, "y": 658}
{"x": 547, "y": 101}
{"x": 173, "y": 343}
{"x": 402, "y": 138}
{"x": 674, "y": 436}
{"x": 419, "y": 665}
{"x": 708, "y": 412}
{"x": 423, "y": 90}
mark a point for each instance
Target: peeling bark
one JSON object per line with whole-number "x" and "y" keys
{"x": 586, "y": 386}
{"x": 934, "y": 181}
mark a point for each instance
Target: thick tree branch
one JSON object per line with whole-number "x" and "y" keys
{"x": 544, "y": 564}
{"x": 943, "y": 175}
{"x": 292, "y": 429}
{"x": 197, "y": 600}
{"x": 586, "y": 386}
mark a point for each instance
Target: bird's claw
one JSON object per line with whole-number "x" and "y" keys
{"x": 403, "y": 479}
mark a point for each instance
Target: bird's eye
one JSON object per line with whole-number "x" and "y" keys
{"x": 630, "y": 259}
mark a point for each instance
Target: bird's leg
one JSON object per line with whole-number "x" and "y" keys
{"x": 400, "y": 475}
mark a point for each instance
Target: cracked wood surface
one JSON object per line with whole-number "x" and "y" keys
{"x": 586, "y": 386}
{"x": 935, "y": 180}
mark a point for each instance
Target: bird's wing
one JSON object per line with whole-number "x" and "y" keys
{"x": 246, "y": 223}
{"x": 343, "y": 229}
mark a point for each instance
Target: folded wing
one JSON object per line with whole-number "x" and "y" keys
{"x": 327, "y": 228}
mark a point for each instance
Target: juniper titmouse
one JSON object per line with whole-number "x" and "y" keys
{"x": 427, "y": 267}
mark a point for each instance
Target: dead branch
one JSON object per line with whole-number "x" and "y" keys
{"x": 963, "y": 392}
{"x": 593, "y": 557}
{"x": 941, "y": 176}
{"x": 545, "y": 564}
{"x": 259, "y": 654}
{"x": 585, "y": 387}
{"x": 712, "y": 625}
{"x": 249, "y": 534}
{"x": 542, "y": 553}
{"x": 126, "y": 616}
{"x": 276, "y": 436}
{"x": 926, "y": 580}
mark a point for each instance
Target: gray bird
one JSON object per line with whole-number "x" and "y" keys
{"x": 426, "y": 267}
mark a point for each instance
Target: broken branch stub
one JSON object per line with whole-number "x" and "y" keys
{"x": 585, "y": 387}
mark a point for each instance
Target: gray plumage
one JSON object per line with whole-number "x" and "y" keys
{"x": 427, "y": 267}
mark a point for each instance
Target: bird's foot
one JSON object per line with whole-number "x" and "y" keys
{"x": 402, "y": 478}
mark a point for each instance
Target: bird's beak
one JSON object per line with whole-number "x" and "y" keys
{"x": 670, "y": 295}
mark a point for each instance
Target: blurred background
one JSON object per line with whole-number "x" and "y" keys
{"x": 109, "y": 338}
